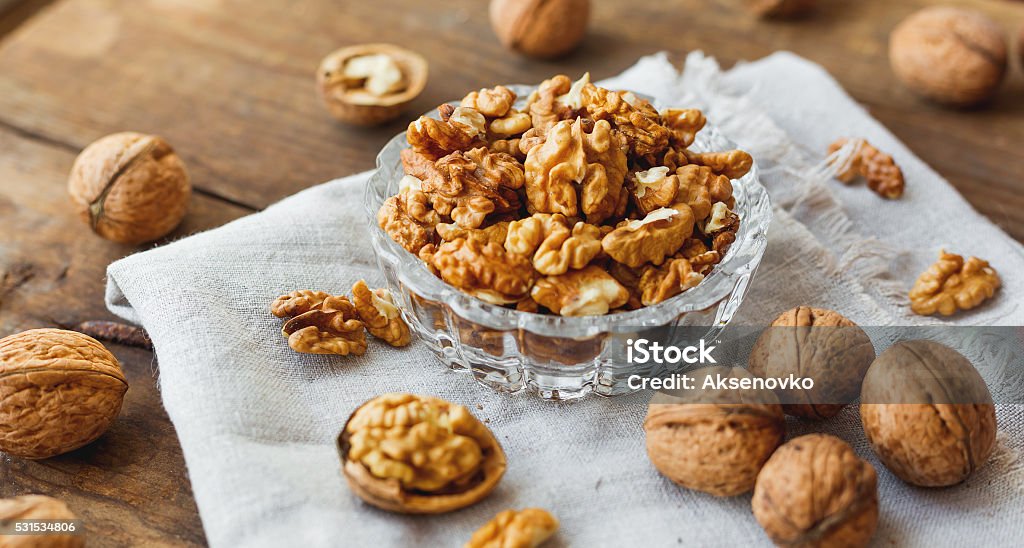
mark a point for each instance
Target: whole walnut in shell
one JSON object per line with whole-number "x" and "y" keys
{"x": 38, "y": 507}
{"x": 59, "y": 390}
{"x": 131, "y": 188}
{"x": 714, "y": 440}
{"x": 818, "y": 344}
{"x": 540, "y": 28}
{"x": 815, "y": 492}
{"x": 927, "y": 413}
{"x": 419, "y": 455}
{"x": 950, "y": 55}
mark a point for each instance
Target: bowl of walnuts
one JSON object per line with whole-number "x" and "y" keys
{"x": 525, "y": 231}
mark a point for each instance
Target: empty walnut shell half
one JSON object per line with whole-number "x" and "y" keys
{"x": 419, "y": 455}
{"x": 714, "y": 441}
{"x": 59, "y": 390}
{"x": 816, "y": 492}
{"x": 927, "y": 413}
{"x": 130, "y": 187}
{"x": 38, "y": 507}
{"x": 370, "y": 84}
{"x": 819, "y": 344}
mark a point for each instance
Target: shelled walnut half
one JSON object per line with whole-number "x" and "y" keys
{"x": 419, "y": 455}
{"x": 370, "y": 84}
{"x": 953, "y": 284}
{"x": 526, "y": 528}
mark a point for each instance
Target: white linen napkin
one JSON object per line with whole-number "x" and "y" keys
{"x": 257, "y": 421}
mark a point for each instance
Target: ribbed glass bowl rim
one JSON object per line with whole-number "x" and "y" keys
{"x": 752, "y": 204}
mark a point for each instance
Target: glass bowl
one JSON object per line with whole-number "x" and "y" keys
{"x": 552, "y": 356}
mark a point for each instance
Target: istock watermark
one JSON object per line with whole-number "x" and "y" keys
{"x": 641, "y": 351}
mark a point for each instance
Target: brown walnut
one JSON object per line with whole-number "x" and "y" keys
{"x": 816, "y": 343}
{"x": 815, "y": 492}
{"x": 131, "y": 188}
{"x": 370, "y": 84}
{"x": 419, "y": 455}
{"x": 953, "y": 56}
{"x": 38, "y": 507}
{"x": 714, "y": 440}
{"x": 540, "y": 28}
{"x": 927, "y": 413}
{"x": 59, "y": 390}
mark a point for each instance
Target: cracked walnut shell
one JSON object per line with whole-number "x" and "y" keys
{"x": 526, "y": 528}
{"x": 815, "y": 492}
{"x": 953, "y": 284}
{"x": 370, "y": 84}
{"x": 927, "y": 413}
{"x": 419, "y": 455}
{"x": 376, "y": 308}
{"x": 587, "y": 292}
{"x": 331, "y": 329}
{"x": 713, "y": 440}
{"x": 59, "y": 390}
{"x": 131, "y": 188}
{"x": 38, "y": 507}
{"x": 484, "y": 270}
{"x": 820, "y": 344}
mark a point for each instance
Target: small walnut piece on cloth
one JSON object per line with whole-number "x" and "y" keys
{"x": 587, "y": 292}
{"x": 713, "y": 441}
{"x": 814, "y": 491}
{"x": 376, "y": 308}
{"x": 331, "y": 329}
{"x": 38, "y": 507}
{"x": 951, "y": 55}
{"x": 485, "y": 271}
{"x": 419, "y": 455}
{"x": 953, "y": 284}
{"x": 59, "y": 390}
{"x": 928, "y": 414}
{"x": 370, "y": 84}
{"x": 526, "y": 528}
{"x": 131, "y": 188}
{"x": 878, "y": 168}
{"x": 297, "y": 302}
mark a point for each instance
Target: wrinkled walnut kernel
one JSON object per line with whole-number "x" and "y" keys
{"x": 649, "y": 240}
{"x": 331, "y": 329}
{"x": 527, "y": 528}
{"x": 376, "y": 308}
{"x": 419, "y": 454}
{"x": 587, "y": 292}
{"x": 485, "y": 271}
{"x": 953, "y": 284}
{"x": 297, "y": 302}
{"x": 552, "y": 243}
{"x": 878, "y": 168}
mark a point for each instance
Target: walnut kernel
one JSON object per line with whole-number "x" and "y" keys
{"x": 953, "y": 284}
{"x": 526, "y": 528}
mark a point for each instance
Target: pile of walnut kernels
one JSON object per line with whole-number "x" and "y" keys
{"x": 586, "y": 202}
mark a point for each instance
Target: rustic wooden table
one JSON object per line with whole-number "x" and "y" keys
{"x": 230, "y": 84}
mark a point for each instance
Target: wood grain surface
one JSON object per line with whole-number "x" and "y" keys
{"x": 230, "y": 84}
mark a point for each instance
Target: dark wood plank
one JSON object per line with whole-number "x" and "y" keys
{"x": 130, "y": 487}
{"x": 255, "y": 130}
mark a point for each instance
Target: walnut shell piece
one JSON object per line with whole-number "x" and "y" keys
{"x": 131, "y": 188}
{"x": 927, "y": 413}
{"x": 713, "y": 440}
{"x": 544, "y": 29}
{"x": 38, "y": 507}
{"x": 819, "y": 344}
{"x": 815, "y": 492}
{"x": 370, "y": 84}
{"x": 59, "y": 390}
{"x": 953, "y": 56}
{"x": 377, "y": 310}
{"x": 419, "y": 455}
{"x": 953, "y": 284}
{"x": 526, "y": 528}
